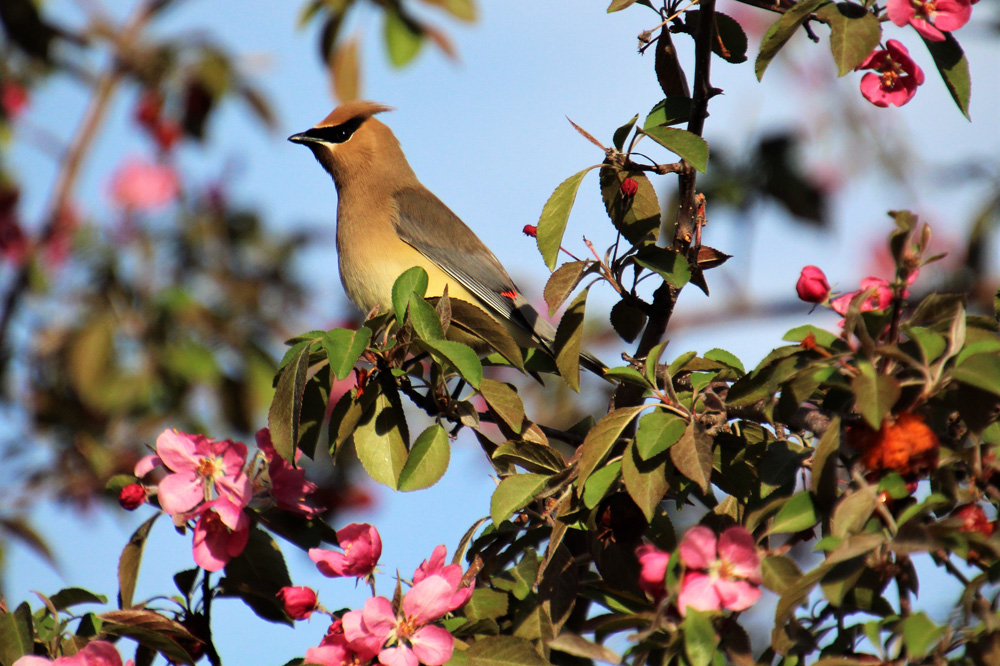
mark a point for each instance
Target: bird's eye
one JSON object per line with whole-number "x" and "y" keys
{"x": 336, "y": 133}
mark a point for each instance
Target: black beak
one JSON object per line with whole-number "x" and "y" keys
{"x": 301, "y": 137}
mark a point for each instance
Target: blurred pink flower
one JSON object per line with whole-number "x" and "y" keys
{"x": 362, "y": 547}
{"x": 142, "y": 185}
{"x": 221, "y": 533}
{"x": 94, "y": 653}
{"x": 416, "y": 639}
{"x": 812, "y": 286}
{"x": 299, "y": 602}
{"x": 720, "y": 573}
{"x": 13, "y": 99}
{"x": 198, "y": 465}
{"x": 653, "y": 563}
{"x": 895, "y": 78}
{"x": 879, "y": 298}
{"x": 289, "y": 487}
{"x": 435, "y": 566}
{"x": 930, "y": 17}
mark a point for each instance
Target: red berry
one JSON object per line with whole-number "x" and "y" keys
{"x": 530, "y": 230}
{"x": 629, "y": 187}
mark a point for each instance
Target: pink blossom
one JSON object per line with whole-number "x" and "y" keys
{"x": 142, "y": 185}
{"x": 198, "y": 465}
{"x": 812, "y": 286}
{"x": 334, "y": 650}
{"x": 930, "y": 17}
{"x": 94, "y": 653}
{"x": 653, "y": 563}
{"x": 719, "y": 573}
{"x": 147, "y": 464}
{"x": 299, "y": 602}
{"x": 132, "y": 496}
{"x": 895, "y": 78}
{"x": 434, "y": 565}
{"x": 410, "y": 638}
{"x": 879, "y": 299}
{"x": 221, "y": 533}
{"x": 362, "y": 547}
{"x": 288, "y": 483}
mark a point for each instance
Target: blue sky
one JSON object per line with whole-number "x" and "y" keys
{"x": 489, "y": 135}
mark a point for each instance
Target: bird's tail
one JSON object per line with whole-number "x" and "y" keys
{"x": 543, "y": 332}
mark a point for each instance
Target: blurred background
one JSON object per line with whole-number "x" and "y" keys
{"x": 159, "y": 238}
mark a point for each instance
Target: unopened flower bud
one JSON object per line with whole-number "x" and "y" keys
{"x": 132, "y": 496}
{"x": 629, "y": 187}
{"x": 812, "y": 286}
{"x": 299, "y": 602}
{"x": 530, "y": 230}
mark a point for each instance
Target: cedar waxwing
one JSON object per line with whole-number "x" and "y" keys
{"x": 387, "y": 223}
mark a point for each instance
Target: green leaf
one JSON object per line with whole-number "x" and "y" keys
{"x": 797, "y": 514}
{"x": 600, "y": 483}
{"x": 658, "y": 431}
{"x": 954, "y": 69}
{"x": 598, "y": 442}
{"x": 413, "y": 281}
{"x": 686, "y": 144}
{"x": 504, "y": 402}
{"x": 645, "y": 480}
{"x": 627, "y": 320}
{"x": 473, "y": 320}
{"x": 403, "y": 38}
{"x": 875, "y": 394}
{"x": 781, "y": 31}
{"x": 16, "y": 634}
{"x": 854, "y": 33}
{"x": 669, "y": 111}
{"x": 131, "y": 558}
{"x": 380, "y": 438}
{"x": 666, "y": 263}
{"x": 627, "y": 375}
{"x": 729, "y": 41}
{"x": 618, "y": 5}
{"x": 344, "y": 347}
{"x": 425, "y": 319}
{"x": 700, "y": 639}
{"x": 981, "y": 371}
{"x": 636, "y": 217}
{"x": 460, "y": 356}
{"x": 561, "y": 284}
{"x": 256, "y": 575}
{"x": 514, "y": 493}
{"x": 853, "y": 511}
{"x": 799, "y": 333}
{"x": 486, "y": 604}
{"x": 569, "y": 341}
{"x": 286, "y": 407}
{"x": 555, "y": 215}
{"x": 427, "y": 460}
{"x": 501, "y": 651}
{"x": 779, "y": 573}
{"x": 578, "y": 646}
{"x": 919, "y": 634}
{"x": 73, "y": 596}
{"x": 533, "y": 457}
{"x": 621, "y": 134}
{"x": 726, "y": 358}
{"x": 692, "y": 455}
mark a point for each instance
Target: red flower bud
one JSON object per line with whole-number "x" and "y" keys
{"x": 629, "y": 187}
{"x": 132, "y": 496}
{"x": 812, "y": 286}
{"x": 13, "y": 99}
{"x": 530, "y": 230}
{"x": 973, "y": 519}
{"x": 167, "y": 133}
{"x": 299, "y": 602}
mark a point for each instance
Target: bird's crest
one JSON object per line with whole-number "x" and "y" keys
{"x": 354, "y": 110}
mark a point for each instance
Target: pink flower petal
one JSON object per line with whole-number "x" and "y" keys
{"x": 698, "y": 592}
{"x": 147, "y": 464}
{"x": 900, "y": 11}
{"x": 737, "y": 595}
{"x": 378, "y": 618}
{"x": 431, "y": 565}
{"x": 737, "y": 548}
{"x": 432, "y": 645}
{"x": 653, "y": 563}
{"x": 181, "y": 492}
{"x": 179, "y": 451}
{"x": 697, "y": 548}
{"x": 330, "y": 563}
{"x": 428, "y": 600}
{"x": 398, "y": 656}
{"x": 358, "y": 637}
{"x": 144, "y": 185}
{"x": 328, "y": 655}
{"x": 31, "y": 660}
{"x": 952, "y": 14}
